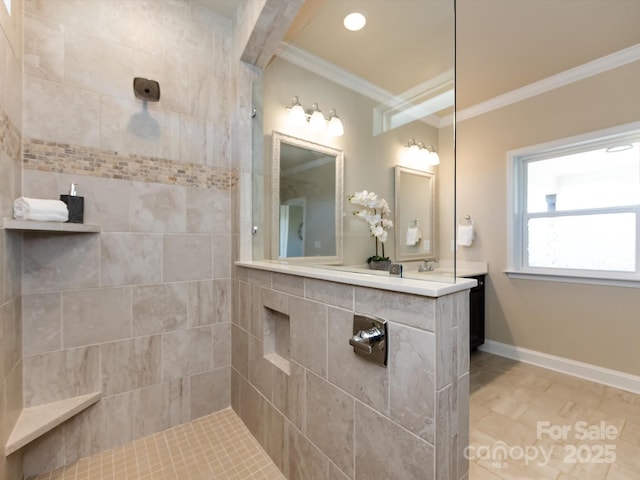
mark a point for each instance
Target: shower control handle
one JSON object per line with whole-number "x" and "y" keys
{"x": 369, "y": 338}
{"x": 365, "y": 339}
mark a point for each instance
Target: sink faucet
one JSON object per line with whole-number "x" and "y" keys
{"x": 428, "y": 266}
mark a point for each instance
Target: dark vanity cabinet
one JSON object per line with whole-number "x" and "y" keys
{"x": 476, "y": 313}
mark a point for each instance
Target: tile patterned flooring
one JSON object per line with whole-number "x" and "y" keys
{"x": 217, "y": 446}
{"x": 508, "y": 399}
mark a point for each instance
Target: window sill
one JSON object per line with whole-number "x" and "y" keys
{"x": 567, "y": 278}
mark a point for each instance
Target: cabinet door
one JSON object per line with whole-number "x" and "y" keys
{"x": 476, "y": 313}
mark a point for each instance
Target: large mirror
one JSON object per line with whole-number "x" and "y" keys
{"x": 307, "y": 200}
{"x": 415, "y": 223}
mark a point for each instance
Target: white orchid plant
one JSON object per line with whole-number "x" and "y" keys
{"x": 373, "y": 213}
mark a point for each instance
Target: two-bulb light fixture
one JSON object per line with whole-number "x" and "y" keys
{"x": 421, "y": 152}
{"x": 315, "y": 120}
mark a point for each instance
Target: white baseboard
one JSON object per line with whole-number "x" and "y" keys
{"x": 613, "y": 378}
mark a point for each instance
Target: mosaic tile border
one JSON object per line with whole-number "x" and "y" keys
{"x": 80, "y": 160}
{"x": 10, "y": 136}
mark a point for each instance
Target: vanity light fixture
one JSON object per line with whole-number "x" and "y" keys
{"x": 355, "y": 21}
{"x": 315, "y": 120}
{"x": 426, "y": 153}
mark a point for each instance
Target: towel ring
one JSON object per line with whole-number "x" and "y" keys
{"x": 467, "y": 219}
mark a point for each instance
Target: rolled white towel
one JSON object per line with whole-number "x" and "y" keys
{"x": 413, "y": 235}
{"x": 41, "y": 210}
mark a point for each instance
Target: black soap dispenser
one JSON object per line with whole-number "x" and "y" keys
{"x": 75, "y": 204}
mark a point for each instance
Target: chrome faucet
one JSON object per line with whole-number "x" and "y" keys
{"x": 428, "y": 266}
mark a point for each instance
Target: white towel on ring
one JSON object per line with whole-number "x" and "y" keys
{"x": 25, "y": 208}
{"x": 413, "y": 236}
{"x": 465, "y": 235}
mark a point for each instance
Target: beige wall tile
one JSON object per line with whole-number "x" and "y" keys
{"x": 130, "y": 364}
{"x": 186, "y": 352}
{"x": 240, "y": 350}
{"x": 210, "y": 391}
{"x": 330, "y": 421}
{"x": 289, "y": 394}
{"x": 306, "y": 462}
{"x": 364, "y": 380}
{"x": 186, "y": 257}
{"x": 14, "y": 281}
{"x": 10, "y": 336}
{"x": 59, "y": 262}
{"x": 95, "y": 316}
{"x": 203, "y": 303}
{"x": 385, "y": 451}
{"x": 104, "y": 425}
{"x": 43, "y": 48}
{"x": 58, "y": 375}
{"x": 223, "y": 256}
{"x": 328, "y": 292}
{"x": 157, "y": 208}
{"x": 444, "y": 341}
{"x": 179, "y": 401}
{"x": 260, "y": 369}
{"x": 41, "y": 323}
{"x": 308, "y": 340}
{"x": 159, "y": 308}
{"x": 130, "y": 259}
{"x": 75, "y": 111}
{"x": 208, "y": 211}
{"x": 288, "y": 284}
{"x": 150, "y": 409}
{"x": 412, "y": 310}
{"x": 412, "y": 379}
{"x": 221, "y": 345}
{"x": 45, "y": 453}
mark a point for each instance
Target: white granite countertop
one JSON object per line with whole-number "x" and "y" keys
{"x": 425, "y": 285}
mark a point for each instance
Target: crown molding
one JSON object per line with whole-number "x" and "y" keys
{"x": 589, "y": 69}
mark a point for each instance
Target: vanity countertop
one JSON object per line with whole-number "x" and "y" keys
{"x": 422, "y": 285}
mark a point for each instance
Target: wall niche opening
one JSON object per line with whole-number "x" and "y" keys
{"x": 276, "y": 338}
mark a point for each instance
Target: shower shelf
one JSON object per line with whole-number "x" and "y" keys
{"x": 62, "y": 227}
{"x": 36, "y": 421}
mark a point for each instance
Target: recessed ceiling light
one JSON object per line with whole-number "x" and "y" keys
{"x": 355, "y": 21}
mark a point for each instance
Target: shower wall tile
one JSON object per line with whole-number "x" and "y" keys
{"x": 44, "y": 453}
{"x": 130, "y": 364}
{"x": 143, "y": 310}
{"x": 345, "y": 417}
{"x": 328, "y": 292}
{"x": 41, "y": 323}
{"x": 413, "y": 310}
{"x": 309, "y": 334}
{"x": 203, "y": 303}
{"x": 210, "y": 391}
{"x": 152, "y": 398}
{"x": 330, "y": 421}
{"x": 130, "y": 259}
{"x": 412, "y": 371}
{"x": 364, "y": 380}
{"x": 53, "y": 376}
{"x": 386, "y": 450}
{"x": 74, "y": 110}
{"x": 104, "y": 425}
{"x": 58, "y": 262}
{"x": 186, "y": 352}
{"x": 43, "y": 48}
{"x": 157, "y": 208}
{"x": 186, "y": 257}
{"x": 159, "y": 308}
{"x": 95, "y": 316}
{"x": 208, "y": 211}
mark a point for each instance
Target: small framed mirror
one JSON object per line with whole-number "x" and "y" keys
{"x": 307, "y": 200}
{"x": 415, "y": 235}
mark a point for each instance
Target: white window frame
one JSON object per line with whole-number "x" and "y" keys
{"x": 517, "y": 161}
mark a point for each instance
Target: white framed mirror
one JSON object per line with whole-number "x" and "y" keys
{"x": 415, "y": 217}
{"x": 307, "y": 200}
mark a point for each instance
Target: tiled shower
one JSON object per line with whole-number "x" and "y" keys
{"x": 151, "y": 312}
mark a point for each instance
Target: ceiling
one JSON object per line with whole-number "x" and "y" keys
{"x": 502, "y": 45}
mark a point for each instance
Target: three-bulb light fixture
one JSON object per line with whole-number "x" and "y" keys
{"x": 316, "y": 121}
{"x": 421, "y": 152}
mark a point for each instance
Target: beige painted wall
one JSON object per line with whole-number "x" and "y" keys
{"x": 592, "y": 324}
{"x": 369, "y": 159}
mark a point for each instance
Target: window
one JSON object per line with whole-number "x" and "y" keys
{"x": 575, "y": 207}
{"x": 7, "y": 3}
